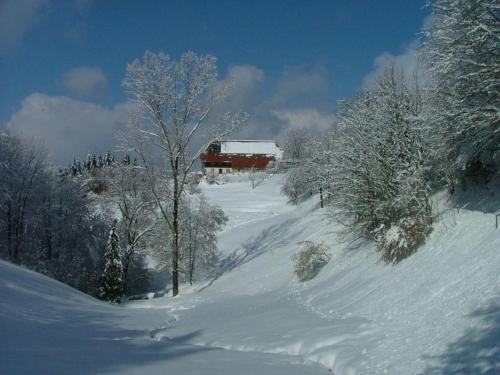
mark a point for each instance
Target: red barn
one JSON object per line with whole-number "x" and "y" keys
{"x": 228, "y": 156}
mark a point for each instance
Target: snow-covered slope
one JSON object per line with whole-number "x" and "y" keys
{"x": 49, "y": 328}
{"x": 437, "y": 312}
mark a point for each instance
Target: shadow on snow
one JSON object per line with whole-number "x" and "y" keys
{"x": 268, "y": 240}
{"x": 48, "y": 328}
{"x": 477, "y": 352}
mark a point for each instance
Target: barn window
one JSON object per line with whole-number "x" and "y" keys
{"x": 214, "y": 147}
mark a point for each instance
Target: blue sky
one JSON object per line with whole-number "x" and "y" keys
{"x": 286, "y": 55}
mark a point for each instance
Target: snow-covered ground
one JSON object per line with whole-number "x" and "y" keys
{"x": 49, "y": 328}
{"x": 437, "y": 312}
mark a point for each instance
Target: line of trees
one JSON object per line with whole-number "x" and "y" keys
{"x": 46, "y": 221}
{"x": 390, "y": 149}
{"x": 57, "y": 222}
{"x": 145, "y": 237}
{"x": 394, "y": 145}
{"x": 463, "y": 59}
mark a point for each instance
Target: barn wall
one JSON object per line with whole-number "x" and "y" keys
{"x": 238, "y": 161}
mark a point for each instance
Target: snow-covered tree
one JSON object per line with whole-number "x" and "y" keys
{"x": 255, "y": 177}
{"x": 297, "y": 144}
{"x": 24, "y": 176}
{"x": 379, "y": 163}
{"x": 462, "y": 54}
{"x": 301, "y": 158}
{"x": 306, "y": 176}
{"x": 130, "y": 193}
{"x": 46, "y": 222}
{"x": 109, "y": 159}
{"x": 198, "y": 252}
{"x": 113, "y": 270}
{"x": 297, "y": 184}
{"x": 201, "y": 223}
{"x": 174, "y": 100}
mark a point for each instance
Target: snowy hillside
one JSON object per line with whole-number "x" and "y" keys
{"x": 435, "y": 313}
{"x": 49, "y": 328}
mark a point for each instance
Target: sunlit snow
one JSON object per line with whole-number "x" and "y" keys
{"x": 436, "y": 312}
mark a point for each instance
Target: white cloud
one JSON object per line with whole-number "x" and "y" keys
{"x": 245, "y": 83}
{"x": 69, "y": 128}
{"x": 301, "y": 87}
{"x": 299, "y": 99}
{"x": 16, "y": 17}
{"x": 308, "y": 118}
{"x": 245, "y": 75}
{"x": 407, "y": 63}
{"x": 85, "y": 81}
{"x": 72, "y": 128}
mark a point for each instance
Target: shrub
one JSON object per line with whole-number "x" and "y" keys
{"x": 309, "y": 260}
{"x": 297, "y": 185}
{"x": 400, "y": 240}
{"x": 210, "y": 178}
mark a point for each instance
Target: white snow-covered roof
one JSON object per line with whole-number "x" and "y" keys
{"x": 251, "y": 147}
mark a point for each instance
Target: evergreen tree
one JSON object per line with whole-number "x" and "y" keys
{"x": 73, "y": 169}
{"x": 109, "y": 158}
{"x": 126, "y": 159}
{"x": 113, "y": 270}
{"x": 88, "y": 163}
{"x": 93, "y": 161}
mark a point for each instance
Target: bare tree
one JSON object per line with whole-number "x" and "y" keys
{"x": 255, "y": 176}
{"x": 46, "y": 220}
{"x": 297, "y": 144}
{"x": 175, "y": 99}
{"x": 23, "y": 171}
{"x": 201, "y": 224}
{"x": 130, "y": 193}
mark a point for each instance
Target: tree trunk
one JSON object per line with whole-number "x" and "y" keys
{"x": 9, "y": 231}
{"x": 175, "y": 224}
{"x": 191, "y": 255}
{"x": 125, "y": 271}
{"x": 49, "y": 230}
{"x": 191, "y": 264}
